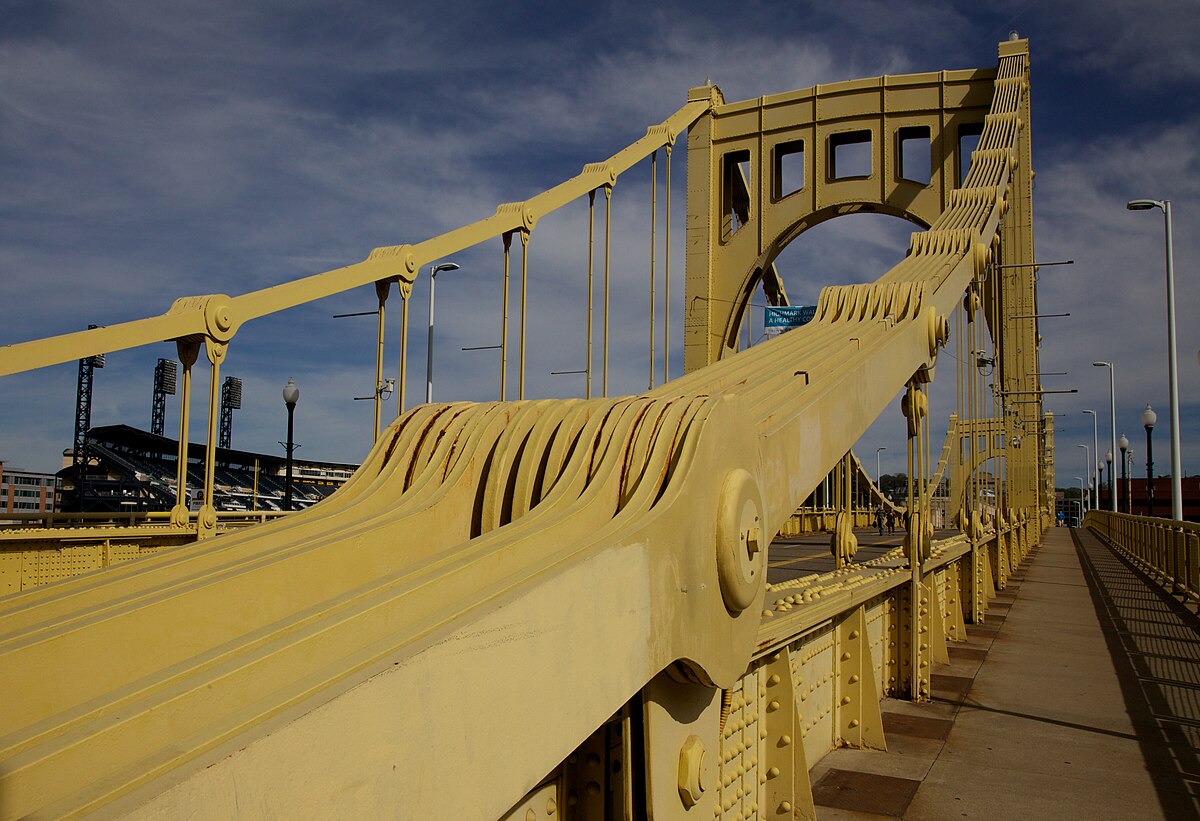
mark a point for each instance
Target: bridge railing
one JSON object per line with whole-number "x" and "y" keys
{"x": 41, "y": 548}
{"x": 1167, "y": 548}
{"x": 152, "y": 518}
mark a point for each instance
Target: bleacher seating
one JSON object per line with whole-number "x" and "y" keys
{"x": 127, "y": 467}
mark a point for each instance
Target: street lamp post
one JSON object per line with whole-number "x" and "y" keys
{"x": 1080, "y": 478}
{"x": 1094, "y": 472}
{"x": 878, "y": 477}
{"x": 433, "y": 272}
{"x": 291, "y": 395}
{"x": 1112, "y": 414}
{"x": 1149, "y": 417}
{"x": 1099, "y": 486}
{"x": 1087, "y": 465}
{"x": 1172, "y": 374}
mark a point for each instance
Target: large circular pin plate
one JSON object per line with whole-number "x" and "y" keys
{"x": 741, "y": 547}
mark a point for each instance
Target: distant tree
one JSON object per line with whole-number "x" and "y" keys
{"x": 895, "y": 486}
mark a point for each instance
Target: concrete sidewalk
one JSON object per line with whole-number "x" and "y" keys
{"x": 1079, "y": 697}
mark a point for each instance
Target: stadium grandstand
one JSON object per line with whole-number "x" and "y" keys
{"x": 127, "y": 470}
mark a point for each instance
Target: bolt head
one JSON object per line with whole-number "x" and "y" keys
{"x": 693, "y": 777}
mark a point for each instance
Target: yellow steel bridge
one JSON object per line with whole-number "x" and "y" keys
{"x": 559, "y": 608}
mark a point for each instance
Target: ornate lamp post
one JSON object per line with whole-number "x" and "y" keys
{"x": 1129, "y": 483}
{"x": 1112, "y": 416}
{"x": 1149, "y": 417}
{"x": 1112, "y": 485}
{"x": 1087, "y": 468}
{"x": 291, "y": 395}
{"x": 1123, "y": 444}
{"x": 1094, "y": 474}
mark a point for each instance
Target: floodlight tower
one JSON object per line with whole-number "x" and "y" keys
{"x": 83, "y": 403}
{"x": 83, "y": 422}
{"x": 231, "y": 400}
{"x": 166, "y": 376}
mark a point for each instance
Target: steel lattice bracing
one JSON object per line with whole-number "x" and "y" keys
{"x": 509, "y": 593}
{"x": 83, "y": 409}
{"x": 83, "y": 404}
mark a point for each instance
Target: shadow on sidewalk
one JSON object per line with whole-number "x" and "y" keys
{"x": 1154, "y": 642}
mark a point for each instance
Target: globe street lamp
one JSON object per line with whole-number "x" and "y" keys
{"x": 1112, "y": 485}
{"x": 1094, "y": 473}
{"x": 1149, "y": 417}
{"x": 291, "y": 395}
{"x": 1129, "y": 483}
{"x": 1172, "y": 375}
{"x": 1123, "y": 443}
{"x": 1087, "y": 465}
{"x": 1112, "y": 415}
{"x": 433, "y": 272}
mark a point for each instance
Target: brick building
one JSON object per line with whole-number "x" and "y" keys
{"x": 25, "y": 491}
{"x": 1162, "y": 496}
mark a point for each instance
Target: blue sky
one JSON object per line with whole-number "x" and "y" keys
{"x": 151, "y": 150}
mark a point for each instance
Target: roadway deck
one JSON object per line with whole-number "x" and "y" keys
{"x": 794, "y": 556}
{"x": 1079, "y": 697}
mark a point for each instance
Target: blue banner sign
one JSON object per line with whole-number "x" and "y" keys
{"x": 785, "y": 317}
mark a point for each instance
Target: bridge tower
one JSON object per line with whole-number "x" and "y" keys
{"x": 764, "y": 171}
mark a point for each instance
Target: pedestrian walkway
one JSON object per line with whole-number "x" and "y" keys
{"x": 1079, "y": 697}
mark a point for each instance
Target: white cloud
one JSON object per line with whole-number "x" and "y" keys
{"x": 1116, "y": 291}
{"x": 1137, "y": 45}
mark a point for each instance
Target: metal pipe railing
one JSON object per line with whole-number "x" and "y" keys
{"x": 1166, "y": 548}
